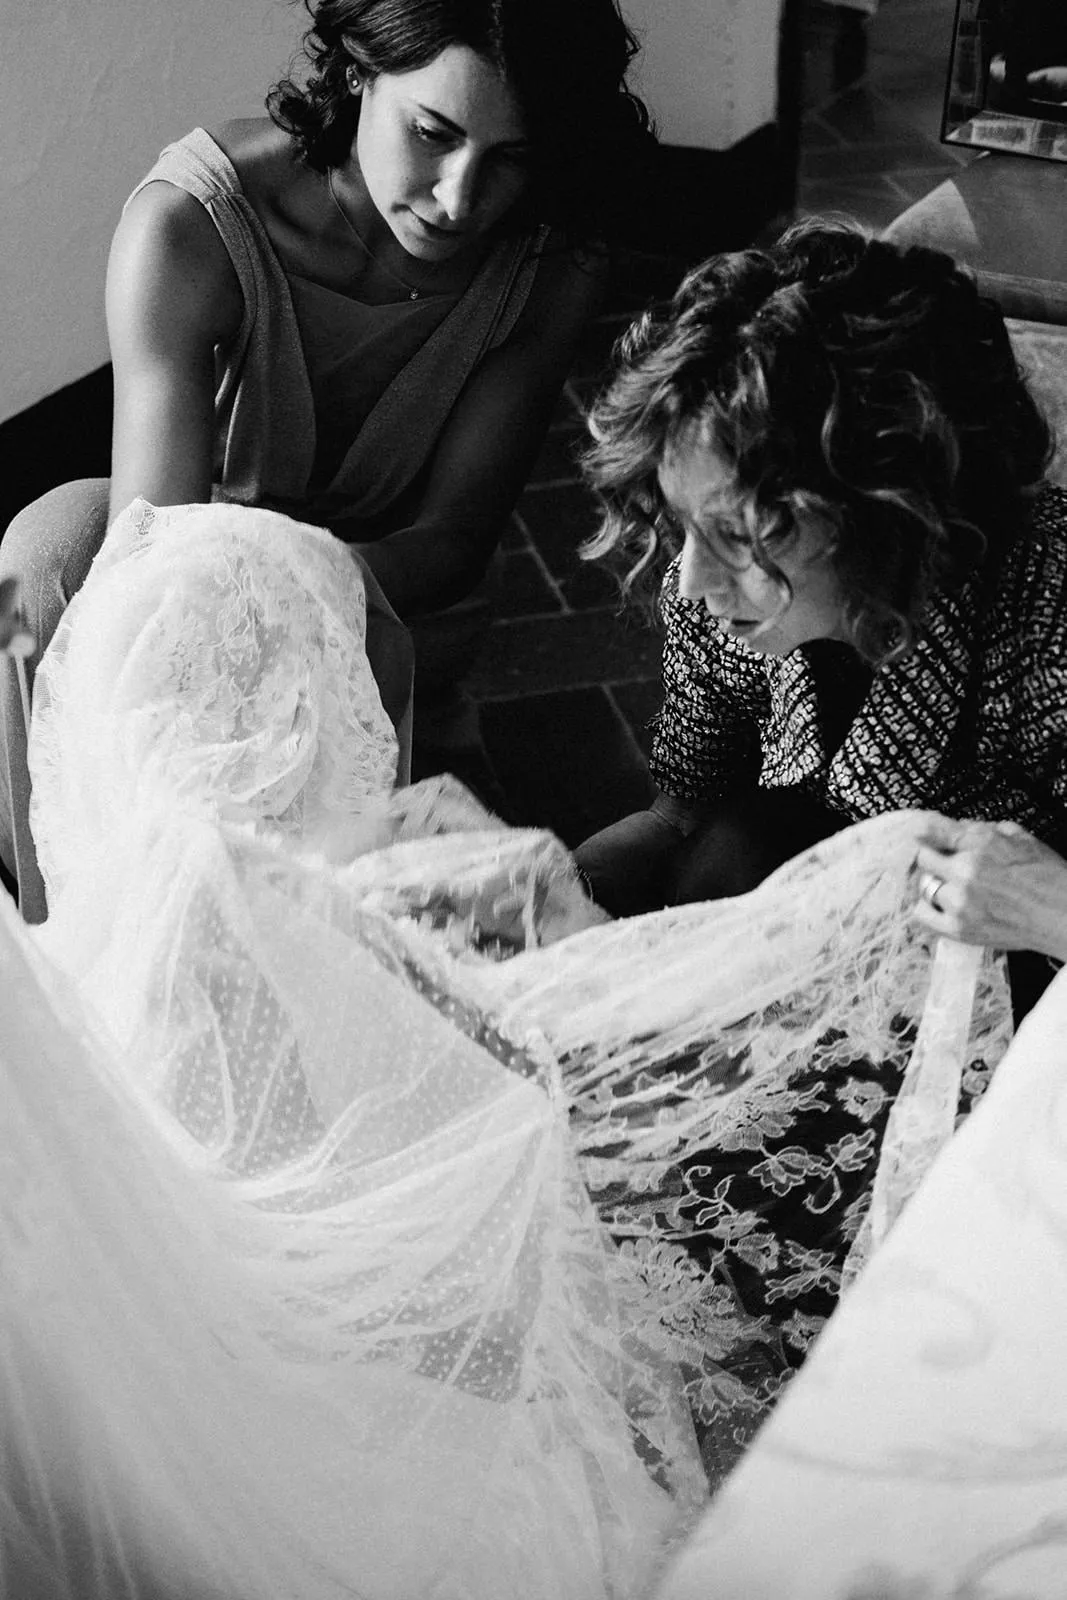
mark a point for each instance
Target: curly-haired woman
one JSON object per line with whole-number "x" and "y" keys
{"x": 868, "y": 612}
{"x": 869, "y": 607}
{"x": 359, "y": 310}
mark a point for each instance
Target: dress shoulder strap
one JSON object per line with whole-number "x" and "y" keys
{"x": 201, "y": 167}
{"x": 198, "y": 165}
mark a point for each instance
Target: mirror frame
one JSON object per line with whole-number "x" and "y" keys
{"x": 967, "y": 121}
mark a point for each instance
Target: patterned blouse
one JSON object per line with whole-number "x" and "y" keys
{"x": 972, "y": 723}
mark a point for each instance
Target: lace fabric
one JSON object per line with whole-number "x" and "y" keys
{"x": 217, "y": 657}
{"x": 387, "y": 1369}
{"x": 345, "y": 1068}
{"x": 703, "y": 1050}
{"x": 922, "y": 1452}
{"x": 338, "y": 1317}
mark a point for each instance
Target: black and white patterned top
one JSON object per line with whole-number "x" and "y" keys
{"x": 972, "y": 723}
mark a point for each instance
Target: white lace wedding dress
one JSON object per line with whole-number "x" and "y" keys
{"x": 308, "y": 1084}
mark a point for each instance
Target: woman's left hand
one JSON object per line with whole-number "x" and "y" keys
{"x": 992, "y": 883}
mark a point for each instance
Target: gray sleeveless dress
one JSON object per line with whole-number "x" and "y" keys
{"x": 265, "y": 403}
{"x": 302, "y": 356}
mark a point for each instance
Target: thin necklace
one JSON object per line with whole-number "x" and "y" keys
{"x": 412, "y": 294}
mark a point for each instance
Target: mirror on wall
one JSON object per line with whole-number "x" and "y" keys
{"x": 1007, "y": 78}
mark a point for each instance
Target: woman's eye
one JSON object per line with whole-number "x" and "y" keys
{"x": 731, "y": 537}
{"x": 428, "y": 134}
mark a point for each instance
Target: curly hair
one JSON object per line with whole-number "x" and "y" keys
{"x": 564, "y": 60}
{"x": 842, "y": 378}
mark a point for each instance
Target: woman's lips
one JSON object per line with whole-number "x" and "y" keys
{"x": 435, "y": 231}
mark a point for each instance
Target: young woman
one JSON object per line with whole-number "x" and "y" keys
{"x": 360, "y": 310}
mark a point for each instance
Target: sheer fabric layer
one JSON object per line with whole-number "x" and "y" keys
{"x": 333, "y": 1313}
{"x": 330, "y": 1309}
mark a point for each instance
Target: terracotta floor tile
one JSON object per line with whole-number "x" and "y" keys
{"x": 565, "y": 760}
{"x": 531, "y": 655}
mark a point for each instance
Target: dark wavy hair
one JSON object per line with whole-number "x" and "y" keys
{"x": 843, "y": 378}
{"x": 565, "y": 61}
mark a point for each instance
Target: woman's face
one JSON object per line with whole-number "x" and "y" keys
{"x": 442, "y": 152}
{"x": 717, "y": 566}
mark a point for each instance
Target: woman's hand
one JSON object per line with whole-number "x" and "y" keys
{"x": 992, "y": 884}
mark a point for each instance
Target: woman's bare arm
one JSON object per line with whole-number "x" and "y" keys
{"x": 488, "y": 447}
{"x": 172, "y": 296}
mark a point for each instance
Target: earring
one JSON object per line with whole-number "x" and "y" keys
{"x": 354, "y": 81}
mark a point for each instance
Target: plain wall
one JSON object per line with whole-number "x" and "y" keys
{"x": 90, "y": 91}
{"x": 708, "y": 69}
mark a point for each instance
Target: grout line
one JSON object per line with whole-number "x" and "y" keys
{"x": 487, "y": 695}
{"x": 520, "y": 619}
{"x": 565, "y": 610}
{"x": 552, "y": 483}
{"x": 523, "y": 527}
{"x": 546, "y": 573}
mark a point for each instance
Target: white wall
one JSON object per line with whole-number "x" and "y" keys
{"x": 707, "y": 68}
{"x": 90, "y": 90}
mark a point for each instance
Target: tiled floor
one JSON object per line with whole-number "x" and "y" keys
{"x": 566, "y": 685}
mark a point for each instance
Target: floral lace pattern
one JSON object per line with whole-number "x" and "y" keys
{"x": 731, "y": 1068}
{"x": 922, "y": 1452}
{"x": 234, "y": 678}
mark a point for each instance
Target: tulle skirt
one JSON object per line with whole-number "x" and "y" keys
{"x": 345, "y": 1198}
{"x": 232, "y": 1387}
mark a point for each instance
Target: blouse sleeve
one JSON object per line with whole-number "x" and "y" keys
{"x": 706, "y": 738}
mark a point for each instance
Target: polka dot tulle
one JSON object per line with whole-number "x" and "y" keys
{"x": 353, "y": 1157}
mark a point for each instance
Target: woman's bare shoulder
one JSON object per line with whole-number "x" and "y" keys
{"x": 166, "y": 247}
{"x": 265, "y": 159}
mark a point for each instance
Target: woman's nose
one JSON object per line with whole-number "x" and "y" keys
{"x": 456, "y": 189}
{"x": 701, "y": 576}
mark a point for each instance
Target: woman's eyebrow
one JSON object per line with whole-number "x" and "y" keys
{"x": 461, "y": 132}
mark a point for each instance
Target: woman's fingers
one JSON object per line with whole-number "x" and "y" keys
{"x": 993, "y": 884}
{"x": 941, "y": 833}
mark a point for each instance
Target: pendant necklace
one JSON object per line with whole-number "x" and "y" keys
{"x": 412, "y": 293}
